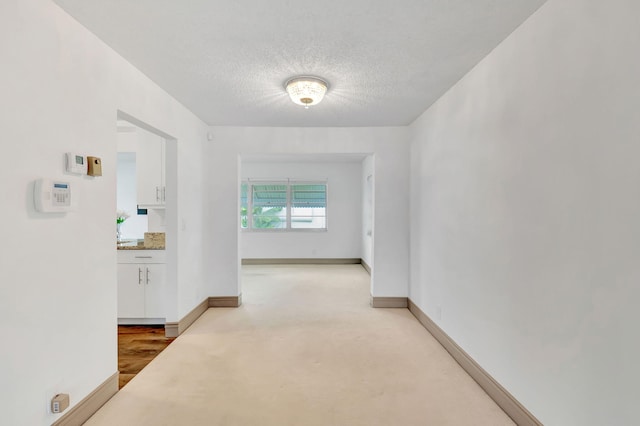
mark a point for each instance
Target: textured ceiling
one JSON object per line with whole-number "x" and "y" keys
{"x": 386, "y": 61}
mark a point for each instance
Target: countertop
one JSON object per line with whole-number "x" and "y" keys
{"x": 135, "y": 245}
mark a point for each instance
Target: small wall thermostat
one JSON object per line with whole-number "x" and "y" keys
{"x": 95, "y": 166}
{"x": 52, "y": 196}
{"x": 76, "y": 163}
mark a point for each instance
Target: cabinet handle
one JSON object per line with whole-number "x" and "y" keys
{"x": 164, "y": 194}
{"x": 144, "y": 257}
{"x": 139, "y": 275}
{"x": 148, "y": 274}
{"x": 157, "y": 193}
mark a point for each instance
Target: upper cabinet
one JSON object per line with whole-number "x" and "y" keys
{"x": 149, "y": 160}
{"x": 150, "y": 171}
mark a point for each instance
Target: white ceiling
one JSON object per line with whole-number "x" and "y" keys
{"x": 386, "y": 61}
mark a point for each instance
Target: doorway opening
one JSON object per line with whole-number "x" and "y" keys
{"x": 296, "y": 187}
{"x": 145, "y": 240}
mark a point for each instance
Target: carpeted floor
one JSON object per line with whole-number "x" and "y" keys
{"x": 305, "y": 348}
{"x": 137, "y": 346}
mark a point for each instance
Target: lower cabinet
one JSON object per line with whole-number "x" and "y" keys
{"x": 141, "y": 286}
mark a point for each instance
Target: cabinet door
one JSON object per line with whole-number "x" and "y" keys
{"x": 131, "y": 290}
{"x": 150, "y": 169}
{"x": 155, "y": 290}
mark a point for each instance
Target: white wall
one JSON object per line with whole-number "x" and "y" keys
{"x": 344, "y": 212}
{"x": 390, "y": 145}
{"x": 127, "y": 198}
{"x": 61, "y": 89}
{"x": 525, "y": 210}
{"x": 367, "y": 181}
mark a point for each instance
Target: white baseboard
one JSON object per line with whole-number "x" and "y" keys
{"x": 141, "y": 321}
{"x": 81, "y": 412}
{"x": 499, "y": 394}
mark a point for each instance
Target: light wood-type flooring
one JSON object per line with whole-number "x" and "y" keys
{"x": 305, "y": 348}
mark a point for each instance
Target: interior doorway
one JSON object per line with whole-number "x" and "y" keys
{"x": 347, "y": 181}
{"x": 146, "y": 228}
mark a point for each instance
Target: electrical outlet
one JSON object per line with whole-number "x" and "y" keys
{"x": 59, "y": 403}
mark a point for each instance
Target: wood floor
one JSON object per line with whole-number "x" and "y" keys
{"x": 137, "y": 346}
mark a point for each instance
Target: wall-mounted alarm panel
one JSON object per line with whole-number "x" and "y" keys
{"x": 52, "y": 196}
{"x": 76, "y": 163}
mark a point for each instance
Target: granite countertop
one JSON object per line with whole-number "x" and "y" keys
{"x": 136, "y": 245}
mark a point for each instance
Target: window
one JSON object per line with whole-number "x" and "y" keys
{"x": 308, "y": 206}
{"x": 285, "y": 205}
{"x": 269, "y": 204}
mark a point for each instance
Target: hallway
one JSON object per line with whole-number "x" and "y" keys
{"x": 305, "y": 348}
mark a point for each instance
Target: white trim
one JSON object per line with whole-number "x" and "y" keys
{"x": 141, "y": 321}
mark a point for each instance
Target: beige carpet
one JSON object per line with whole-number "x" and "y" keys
{"x": 305, "y": 348}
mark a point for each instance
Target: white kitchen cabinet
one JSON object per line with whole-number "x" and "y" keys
{"x": 130, "y": 291}
{"x": 141, "y": 286}
{"x": 150, "y": 173}
{"x": 155, "y": 289}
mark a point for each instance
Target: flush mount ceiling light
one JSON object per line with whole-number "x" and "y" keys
{"x": 306, "y": 90}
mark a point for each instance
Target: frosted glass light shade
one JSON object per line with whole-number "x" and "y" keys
{"x": 306, "y": 91}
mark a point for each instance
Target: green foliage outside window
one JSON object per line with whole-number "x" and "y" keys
{"x": 265, "y": 205}
{"x": 263, "y": 218}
